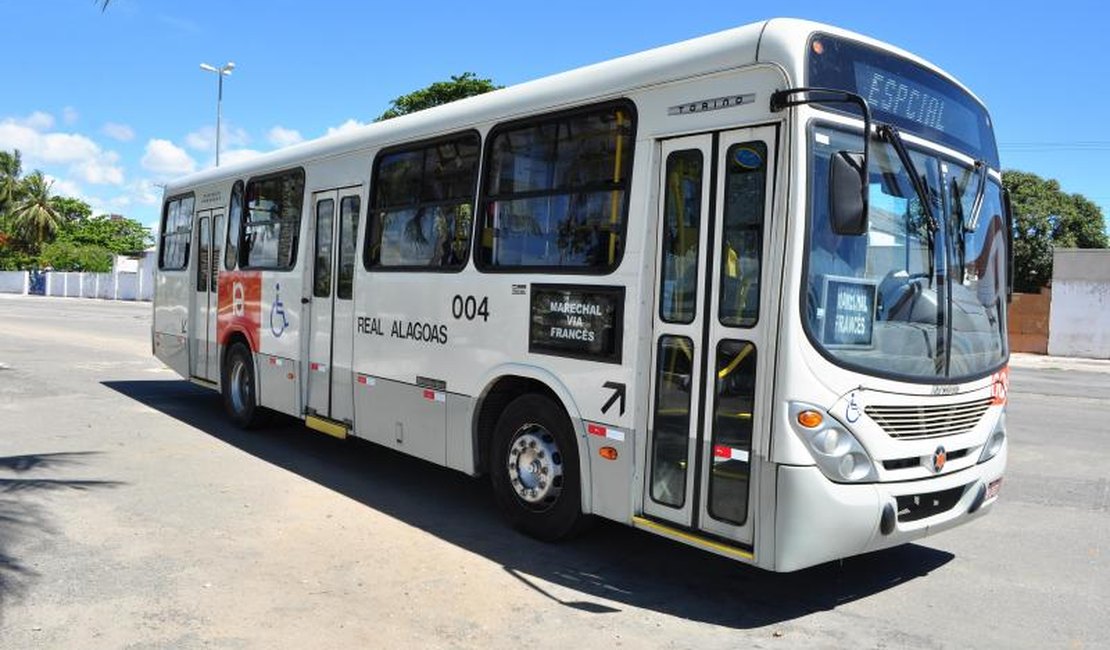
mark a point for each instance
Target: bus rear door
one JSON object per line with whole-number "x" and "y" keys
{"x": 204, "y": 351}
{"x": 711, "y": 347}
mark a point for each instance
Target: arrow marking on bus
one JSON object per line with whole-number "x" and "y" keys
{"x": 618, "y": 392}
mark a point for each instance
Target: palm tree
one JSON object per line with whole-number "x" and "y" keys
{"x": 11, "y": 167}
{"x": 34, "y": 218}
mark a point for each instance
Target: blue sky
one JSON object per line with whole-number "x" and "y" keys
{"x": 111, "y": 104}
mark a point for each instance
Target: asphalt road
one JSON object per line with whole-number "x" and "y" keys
{"x": 132, "y": 515}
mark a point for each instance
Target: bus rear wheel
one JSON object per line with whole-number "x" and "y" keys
{"x": 238, "y": 387}
{"x": 534, "y": 469}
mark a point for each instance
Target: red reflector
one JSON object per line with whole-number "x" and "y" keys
{"x": 721, "y": 451}
{"x": 361, "y": 379}
{"x": 429, "y": 394}
{"x": 315, "y": 366}
{"x": 595, "y": 430}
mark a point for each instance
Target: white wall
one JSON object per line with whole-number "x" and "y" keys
{"x": 130, "y": 279}
{"x": 1079, "y": 320}
{"x": 13, "y": 281}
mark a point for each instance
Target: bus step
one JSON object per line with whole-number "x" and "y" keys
{"x": 692, "y": 539}
{"x": 324, "y": 425}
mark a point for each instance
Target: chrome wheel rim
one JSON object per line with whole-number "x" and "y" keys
{"x": 535, "y": 466}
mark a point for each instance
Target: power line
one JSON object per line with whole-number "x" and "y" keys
{"x": 1074, "y": 145}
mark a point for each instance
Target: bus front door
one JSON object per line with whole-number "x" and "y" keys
{"x": 204, "y": 351}
{"x": 711, "y": 348}
{"x": 331, "y": 321}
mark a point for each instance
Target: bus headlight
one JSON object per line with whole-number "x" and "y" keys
{"x": 838, "y": 454}
{"x": 994, "y": 444}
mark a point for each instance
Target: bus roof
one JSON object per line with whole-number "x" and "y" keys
{"x": 778, "y": 41}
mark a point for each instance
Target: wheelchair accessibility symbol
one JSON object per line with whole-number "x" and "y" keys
{"x": 278, "y": 321}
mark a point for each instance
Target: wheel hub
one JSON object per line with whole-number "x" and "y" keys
{"x": 535, "y": 465}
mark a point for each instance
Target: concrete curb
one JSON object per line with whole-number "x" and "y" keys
{"x": 1045, "y": 362}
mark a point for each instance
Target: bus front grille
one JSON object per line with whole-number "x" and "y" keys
{"x": 931, "y": 421}
{"x": 913, "y": 507}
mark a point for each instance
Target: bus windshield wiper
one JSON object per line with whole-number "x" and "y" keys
{"x": 890, "y": 134}
{"x": 969, "y": 222}
{"x": 972, "y": 223}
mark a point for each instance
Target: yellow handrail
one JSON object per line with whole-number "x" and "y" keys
{"x": 727, "y": 370}
{"x": 614, "y": 204}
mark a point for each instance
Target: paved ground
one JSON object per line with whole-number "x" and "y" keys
{"x": 133, "y": 516}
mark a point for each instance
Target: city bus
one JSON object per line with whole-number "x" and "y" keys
{"x": 747, "y": 292}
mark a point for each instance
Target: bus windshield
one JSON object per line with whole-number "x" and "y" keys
{"x": 909, "y": 298}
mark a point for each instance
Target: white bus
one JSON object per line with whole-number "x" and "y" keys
{"x": 678, "y": 290}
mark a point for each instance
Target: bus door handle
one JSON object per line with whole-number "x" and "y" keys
{"x": 304, "y": 301}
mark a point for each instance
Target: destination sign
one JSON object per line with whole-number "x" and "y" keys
{"x": 577, "y": 321}
{"x": 849, "y": 312}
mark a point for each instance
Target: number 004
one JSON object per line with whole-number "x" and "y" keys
{"x": 470, "y": 308}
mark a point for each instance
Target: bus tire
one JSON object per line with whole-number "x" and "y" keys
{"x": 239, "y": 387}
{"x": 534, "y": 469}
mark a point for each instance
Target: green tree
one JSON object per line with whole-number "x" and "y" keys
{"x": 71, "y": 209}
{"x": 34, "y": 217}
{"x": 11, "y": 171}
{"x": 113, "y": 233}
{"x": 1046, "y": 217}
{"x": 441, "y": 92}
{"x": 72, "y": 256}
{"x": 1084, "y": 227}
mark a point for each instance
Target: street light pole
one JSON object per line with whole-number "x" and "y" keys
{"x": 220, "y": 72}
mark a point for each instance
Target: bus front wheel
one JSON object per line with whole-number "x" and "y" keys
{"x": 239, "y": 387}
{"x": 534, "y": 468}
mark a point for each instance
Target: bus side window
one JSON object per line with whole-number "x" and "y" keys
{"x": 176, "y": 234}
{"x": 234, "y": 226}
{"x": 555, "y": 191}
{"x": 273, "y": 220}
{"x": 422, "y": 205}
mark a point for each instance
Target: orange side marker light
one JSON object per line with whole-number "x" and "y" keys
{"x": 810, "y": 419}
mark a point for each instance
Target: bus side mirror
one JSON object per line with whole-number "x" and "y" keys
{"x": 848, "y": 193}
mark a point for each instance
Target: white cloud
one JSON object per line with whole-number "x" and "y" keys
{"x": 145, "y": 192}
{"x": 238, "y": 155}
{"x": 349, "y": 125}
{"x": 120, "y": 132}
{"x": 279, "y": 136}
{"x": 204, "y": 138}
{"x": 65, "y": 187}
{"x": 70, "y": 115}
{"x": 100, "y": 172}
{"x": 167, "y": 159}
{"x": 68, "y": 188}
{"x": 84, "y": 157}
{"x": 37, "y": 121}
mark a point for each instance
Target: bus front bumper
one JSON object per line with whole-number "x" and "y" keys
{"x": 818, "y": 520}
